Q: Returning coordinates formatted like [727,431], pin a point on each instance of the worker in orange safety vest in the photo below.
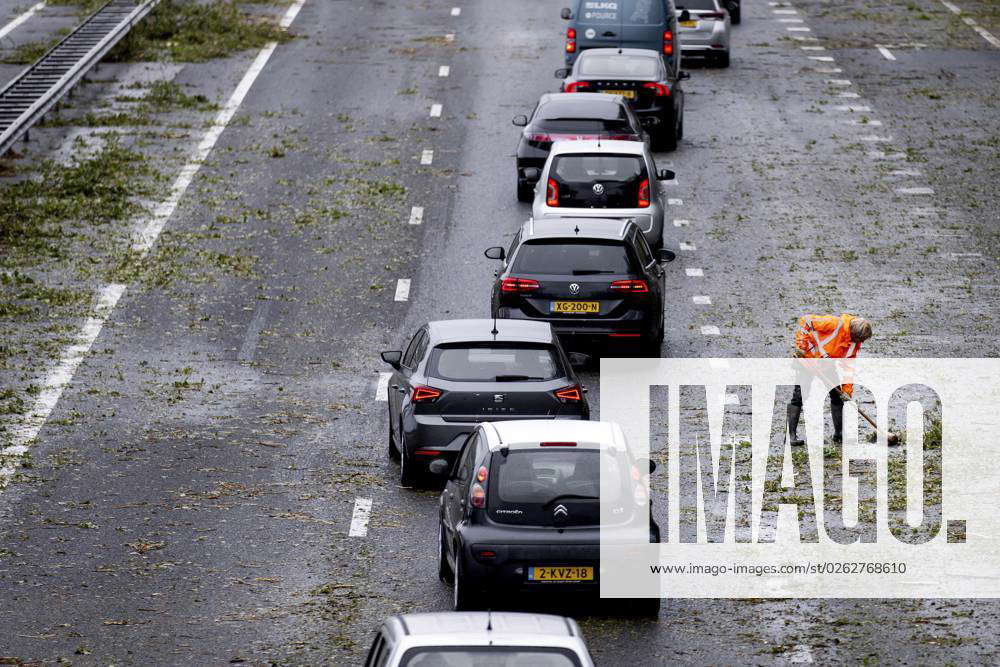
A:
[827,337]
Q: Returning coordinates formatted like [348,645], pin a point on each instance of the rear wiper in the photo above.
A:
[589,272]
[568,496]
[514,378]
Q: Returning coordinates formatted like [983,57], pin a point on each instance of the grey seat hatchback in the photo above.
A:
[634,24]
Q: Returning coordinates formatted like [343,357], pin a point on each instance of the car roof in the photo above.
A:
[594,146]
[481,330]
[575,228]
[527,433]
[476,623]
[582,97]
[647,53]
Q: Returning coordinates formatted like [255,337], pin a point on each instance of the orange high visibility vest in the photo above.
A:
[827,336]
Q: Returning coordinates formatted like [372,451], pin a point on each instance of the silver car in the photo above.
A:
[501,639]
[603,179]
[705,33]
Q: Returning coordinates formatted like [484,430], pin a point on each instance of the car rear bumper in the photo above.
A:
[635,323]
[433,432]
[694,42]
[509,571]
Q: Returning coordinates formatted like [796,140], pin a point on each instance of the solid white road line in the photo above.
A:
[681,223]
[455,11]
[382,387]
[250,340]
[435,111]
[444,70]
[702,300]
[59,378]
[359,520]
[915,191]
[147,234]
[886,53]
[427,157]
[403,289]
[675,202]
[694,273]
[983,32]
[688,246]
[710,330]
[416,215]
[10,27]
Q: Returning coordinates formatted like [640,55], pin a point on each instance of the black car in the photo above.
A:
[457,373]
[595,280]
[640,77]
[561,116]
[520,510]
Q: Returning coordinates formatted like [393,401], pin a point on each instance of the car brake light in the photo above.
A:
[668,42]
[487,553]
[644,194]
[630,286]
[576,85]
[423,394]
[481,474]
[570,394]
[552,193]
[557,444]
[624,335]
[570,40]
[427,452]
[518,285]
[477,497]
[658,89]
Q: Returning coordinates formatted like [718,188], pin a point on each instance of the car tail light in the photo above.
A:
[486,553]
[624,137]
[537,136]
[518,285]
[624,335]
[557,444]
[481,474]
[576,86]
[570,40]
[477,496]
[630,286]
[552,193]
[658,89]
[427,452]
[570,394]
[668,42]
[644,194]
[422,394]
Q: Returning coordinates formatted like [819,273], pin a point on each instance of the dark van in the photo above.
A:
[635,24]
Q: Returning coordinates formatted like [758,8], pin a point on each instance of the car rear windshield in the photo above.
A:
[527,485]
[489,656]
[566,257]
[621,12]
[589,116]
[598,180]
[494,362]
[708,5]
[594,66]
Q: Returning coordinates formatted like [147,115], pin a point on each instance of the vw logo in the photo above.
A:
[574,288]
[598,189]
[498,398]
[590,33]
[560,510]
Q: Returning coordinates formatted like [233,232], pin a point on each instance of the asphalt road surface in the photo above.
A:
[190,498]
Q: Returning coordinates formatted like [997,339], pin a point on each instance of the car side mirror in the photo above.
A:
[520,120]
[683,76]
[562,72]
[685,15]
[665,255]
[439,467]
[532,173]
[565,14]
[578,359]
[496,252]
[665,175]
[649,121]
[643,463]
[392,357]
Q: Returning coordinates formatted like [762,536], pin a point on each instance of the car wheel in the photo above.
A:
[734,16]
[462,599]
[722,60]
[653,345]
[666,140]
[407,473]
[393,449]
[444,569]
[525,191]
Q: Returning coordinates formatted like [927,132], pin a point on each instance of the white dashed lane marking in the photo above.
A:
[839,82]
[813,48]
[848,95]
[687,246]
[784,11]
[874,138]
[694,273]
[382,387]
[455,11]
[359,520]
[798,29]
[906,172]
[444,70]
[416,215]
[450,37]
[702,300]
[10,27]
[435,111]
[866,123]
[427,157]
[915,191]
[710,330]
[855,109]
[822,59]
[675,202]
[886,53]
[681,223]
[403,289]
[790,21]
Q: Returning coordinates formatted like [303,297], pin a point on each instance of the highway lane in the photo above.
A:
[202,515]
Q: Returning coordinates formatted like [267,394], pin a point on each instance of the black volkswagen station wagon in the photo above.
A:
[454,374]
[520,511]
[627,24]
[596,281]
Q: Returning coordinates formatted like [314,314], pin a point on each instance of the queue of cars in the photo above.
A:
[492,409]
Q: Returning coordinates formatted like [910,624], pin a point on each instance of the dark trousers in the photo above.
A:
[836,406]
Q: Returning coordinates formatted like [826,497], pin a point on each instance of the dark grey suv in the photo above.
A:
[631,24]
